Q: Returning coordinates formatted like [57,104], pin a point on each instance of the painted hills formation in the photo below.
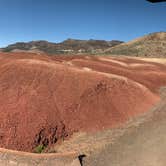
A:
[45,99]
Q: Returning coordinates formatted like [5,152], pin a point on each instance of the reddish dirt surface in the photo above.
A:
[45,99]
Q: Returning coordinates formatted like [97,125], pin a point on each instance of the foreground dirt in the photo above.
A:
[44,100]
[14,158]
[140,142]
[142,145]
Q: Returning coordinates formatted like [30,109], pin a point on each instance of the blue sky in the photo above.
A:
[57,20]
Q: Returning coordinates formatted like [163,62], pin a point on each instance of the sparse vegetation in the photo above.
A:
[39,149]
[150,45]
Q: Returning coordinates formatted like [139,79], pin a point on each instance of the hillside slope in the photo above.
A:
[150,45]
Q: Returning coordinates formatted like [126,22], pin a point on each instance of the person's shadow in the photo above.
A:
[80,157]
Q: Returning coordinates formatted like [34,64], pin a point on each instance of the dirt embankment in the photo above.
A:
[141,144]
[46,99]
[15,158]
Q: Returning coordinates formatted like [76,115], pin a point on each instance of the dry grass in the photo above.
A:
[153,45]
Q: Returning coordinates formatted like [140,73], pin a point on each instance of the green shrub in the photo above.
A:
[39,149]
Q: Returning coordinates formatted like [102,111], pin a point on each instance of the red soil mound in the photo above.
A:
[44,99]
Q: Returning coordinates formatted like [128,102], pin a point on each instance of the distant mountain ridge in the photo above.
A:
[67,46]
[153,44]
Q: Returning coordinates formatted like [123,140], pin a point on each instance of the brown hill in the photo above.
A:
[150,45]
[46,99]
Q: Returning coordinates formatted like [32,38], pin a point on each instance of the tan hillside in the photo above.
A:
[153,45]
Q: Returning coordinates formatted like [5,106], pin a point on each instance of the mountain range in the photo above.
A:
[151,45]
[65,47]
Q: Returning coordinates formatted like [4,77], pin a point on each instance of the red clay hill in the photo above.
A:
[44,99]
